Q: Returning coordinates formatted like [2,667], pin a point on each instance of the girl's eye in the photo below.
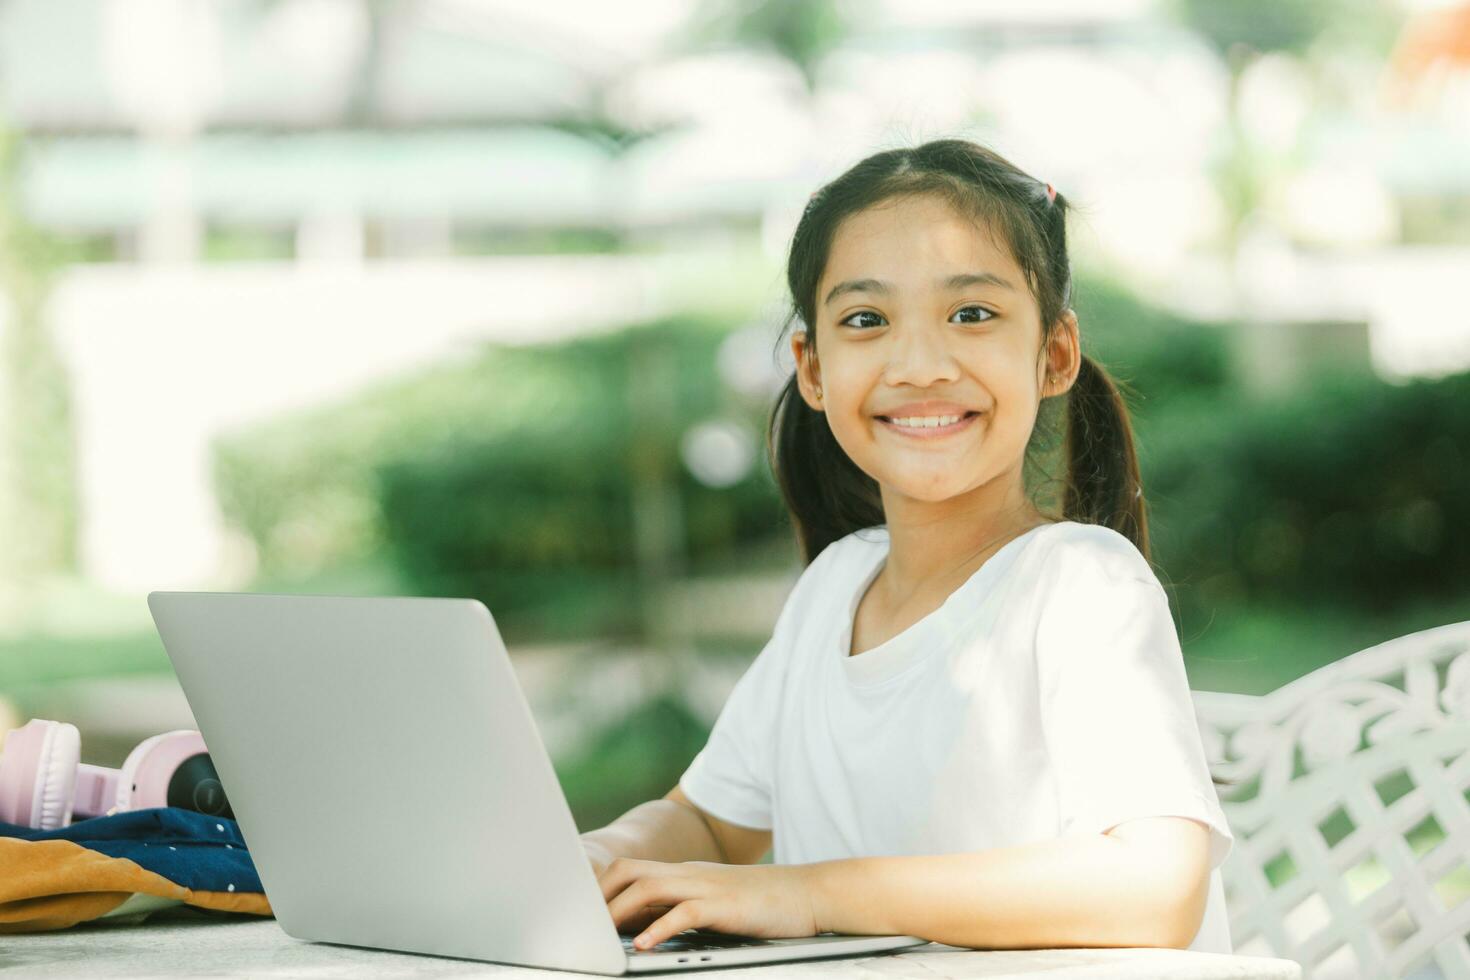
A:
[848,322]
[978,309]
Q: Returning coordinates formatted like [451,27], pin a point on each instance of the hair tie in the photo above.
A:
[1051,194]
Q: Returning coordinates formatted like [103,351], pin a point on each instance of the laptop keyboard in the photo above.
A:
[693,939]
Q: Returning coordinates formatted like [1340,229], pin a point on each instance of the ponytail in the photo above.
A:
[1103,485]
[826,494]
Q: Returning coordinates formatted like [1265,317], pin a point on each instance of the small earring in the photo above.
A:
[819,392]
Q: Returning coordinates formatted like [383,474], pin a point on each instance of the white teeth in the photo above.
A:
[926,422]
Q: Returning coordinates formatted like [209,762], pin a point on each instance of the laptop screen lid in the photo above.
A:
[388,776]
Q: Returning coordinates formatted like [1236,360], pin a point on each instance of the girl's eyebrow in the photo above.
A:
[961,280]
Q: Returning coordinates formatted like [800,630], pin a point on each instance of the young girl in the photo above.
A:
[972,723]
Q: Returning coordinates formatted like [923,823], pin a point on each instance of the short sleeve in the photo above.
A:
[731,776]
[1116,710]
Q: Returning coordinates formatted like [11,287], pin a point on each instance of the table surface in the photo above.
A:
[191,947]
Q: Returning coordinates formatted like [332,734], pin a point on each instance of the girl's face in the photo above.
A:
[920,314]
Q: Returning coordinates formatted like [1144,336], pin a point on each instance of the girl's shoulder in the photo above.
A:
[1073,547]
[864,541]
[834,571]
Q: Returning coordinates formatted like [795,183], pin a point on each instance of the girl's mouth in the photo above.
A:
[928,431]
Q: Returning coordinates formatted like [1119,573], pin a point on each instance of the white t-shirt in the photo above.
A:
[1046,696]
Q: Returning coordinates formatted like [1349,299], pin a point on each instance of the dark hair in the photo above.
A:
[826,493]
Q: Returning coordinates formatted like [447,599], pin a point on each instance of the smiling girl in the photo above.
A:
[972,722]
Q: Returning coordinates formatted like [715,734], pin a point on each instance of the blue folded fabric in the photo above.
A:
[54,878]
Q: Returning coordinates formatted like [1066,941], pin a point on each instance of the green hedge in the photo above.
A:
[508,477]
[537,519]
[1350,489]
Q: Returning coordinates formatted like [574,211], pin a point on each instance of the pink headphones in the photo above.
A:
[43,783]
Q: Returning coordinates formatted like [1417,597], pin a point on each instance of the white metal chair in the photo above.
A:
[1351,811]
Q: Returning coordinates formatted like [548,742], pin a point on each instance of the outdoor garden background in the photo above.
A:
[464,298]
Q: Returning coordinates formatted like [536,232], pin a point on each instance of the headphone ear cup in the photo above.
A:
[196,786]
[58,789]
[143,781]
[127,780]
[38,774]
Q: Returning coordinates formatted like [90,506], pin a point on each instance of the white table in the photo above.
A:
[177,947]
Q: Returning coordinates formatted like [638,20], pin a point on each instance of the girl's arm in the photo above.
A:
[739,845]
[659,830]
[1145,883]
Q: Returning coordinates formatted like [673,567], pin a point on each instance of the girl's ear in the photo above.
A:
[1063,356]
[808,371]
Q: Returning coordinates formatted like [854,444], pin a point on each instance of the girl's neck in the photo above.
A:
[937,557]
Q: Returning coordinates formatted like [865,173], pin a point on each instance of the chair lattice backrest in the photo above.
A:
[1350,805]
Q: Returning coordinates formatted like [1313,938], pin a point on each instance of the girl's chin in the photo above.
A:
[943,487]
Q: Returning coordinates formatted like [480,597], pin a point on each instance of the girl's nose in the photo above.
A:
[921,356]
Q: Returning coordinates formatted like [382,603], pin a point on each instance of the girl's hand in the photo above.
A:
[765,901]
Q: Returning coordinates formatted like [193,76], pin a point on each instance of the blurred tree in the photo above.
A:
[362,98]
[801,31]
[1241,31]
[1249,172]
[385,21]
[38,495]
[381,20]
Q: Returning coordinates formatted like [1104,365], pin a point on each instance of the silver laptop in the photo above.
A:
[390,782]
